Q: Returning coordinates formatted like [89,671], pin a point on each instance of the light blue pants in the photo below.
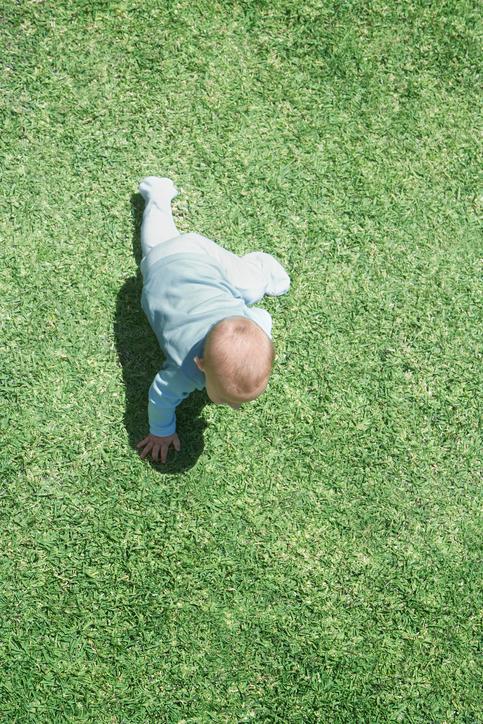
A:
[254,274]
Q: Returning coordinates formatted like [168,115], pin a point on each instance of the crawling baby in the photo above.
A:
[196,296]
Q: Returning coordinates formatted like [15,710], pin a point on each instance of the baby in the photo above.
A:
[195,296]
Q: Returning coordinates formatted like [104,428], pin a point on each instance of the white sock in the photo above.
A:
[278,281]
[159,189]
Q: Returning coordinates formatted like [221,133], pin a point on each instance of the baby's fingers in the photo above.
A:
[155,453]
[165,449]
[147,449]
[143,442]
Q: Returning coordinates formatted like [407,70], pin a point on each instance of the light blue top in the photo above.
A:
[184,295]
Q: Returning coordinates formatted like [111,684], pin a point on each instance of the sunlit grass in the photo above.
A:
[313,557]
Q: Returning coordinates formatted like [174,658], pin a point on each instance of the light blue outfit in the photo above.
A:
[190,284]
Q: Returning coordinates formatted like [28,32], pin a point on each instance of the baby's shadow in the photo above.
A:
[141,359]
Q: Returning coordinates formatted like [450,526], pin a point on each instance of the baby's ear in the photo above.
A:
[199,362]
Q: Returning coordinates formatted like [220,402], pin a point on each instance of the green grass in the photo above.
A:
[315,556]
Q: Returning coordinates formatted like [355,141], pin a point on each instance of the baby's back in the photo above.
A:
[184,295]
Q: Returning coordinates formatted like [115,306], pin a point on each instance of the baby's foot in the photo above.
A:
[278,281]
[155,187]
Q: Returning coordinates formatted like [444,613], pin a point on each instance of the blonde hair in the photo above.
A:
[241,356]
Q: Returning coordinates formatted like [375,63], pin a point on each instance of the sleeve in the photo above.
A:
[262,318]
[169,388]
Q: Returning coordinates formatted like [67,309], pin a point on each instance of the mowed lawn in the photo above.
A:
[315,556]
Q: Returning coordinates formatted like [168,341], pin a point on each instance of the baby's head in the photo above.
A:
[237,361]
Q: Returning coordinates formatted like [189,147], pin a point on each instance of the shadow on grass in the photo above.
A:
[140,358]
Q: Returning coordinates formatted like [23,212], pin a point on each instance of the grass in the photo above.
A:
[315,556]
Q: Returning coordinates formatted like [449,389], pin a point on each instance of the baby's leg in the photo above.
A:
[257,274]
[254,274]
[158,224]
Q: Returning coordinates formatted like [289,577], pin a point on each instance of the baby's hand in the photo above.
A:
[154,444]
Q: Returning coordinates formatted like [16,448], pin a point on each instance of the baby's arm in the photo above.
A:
[169,388]
[262,318]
